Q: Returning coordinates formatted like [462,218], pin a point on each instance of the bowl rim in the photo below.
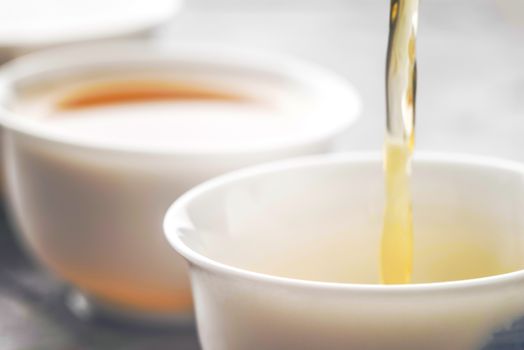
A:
[311,75]
[176,219]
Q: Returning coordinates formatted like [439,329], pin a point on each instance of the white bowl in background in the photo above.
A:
[91,210]
[29,25]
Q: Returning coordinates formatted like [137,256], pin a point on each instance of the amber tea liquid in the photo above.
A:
[397,235]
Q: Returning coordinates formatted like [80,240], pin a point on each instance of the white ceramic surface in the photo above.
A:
[321,217]
[28,25]
[91,211]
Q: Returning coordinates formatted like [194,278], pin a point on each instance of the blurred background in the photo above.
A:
[470,99]
[470,54]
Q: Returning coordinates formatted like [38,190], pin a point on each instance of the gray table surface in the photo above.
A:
[471,99]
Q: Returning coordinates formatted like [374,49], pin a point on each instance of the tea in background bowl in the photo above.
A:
[98,140]
[286,256]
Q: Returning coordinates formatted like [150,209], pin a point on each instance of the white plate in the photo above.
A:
[32,24]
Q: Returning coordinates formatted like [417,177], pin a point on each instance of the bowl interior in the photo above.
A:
[290,101]
[321,219]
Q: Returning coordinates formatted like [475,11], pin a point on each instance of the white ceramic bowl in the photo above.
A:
[29,25]
[274,252]
[91,211]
